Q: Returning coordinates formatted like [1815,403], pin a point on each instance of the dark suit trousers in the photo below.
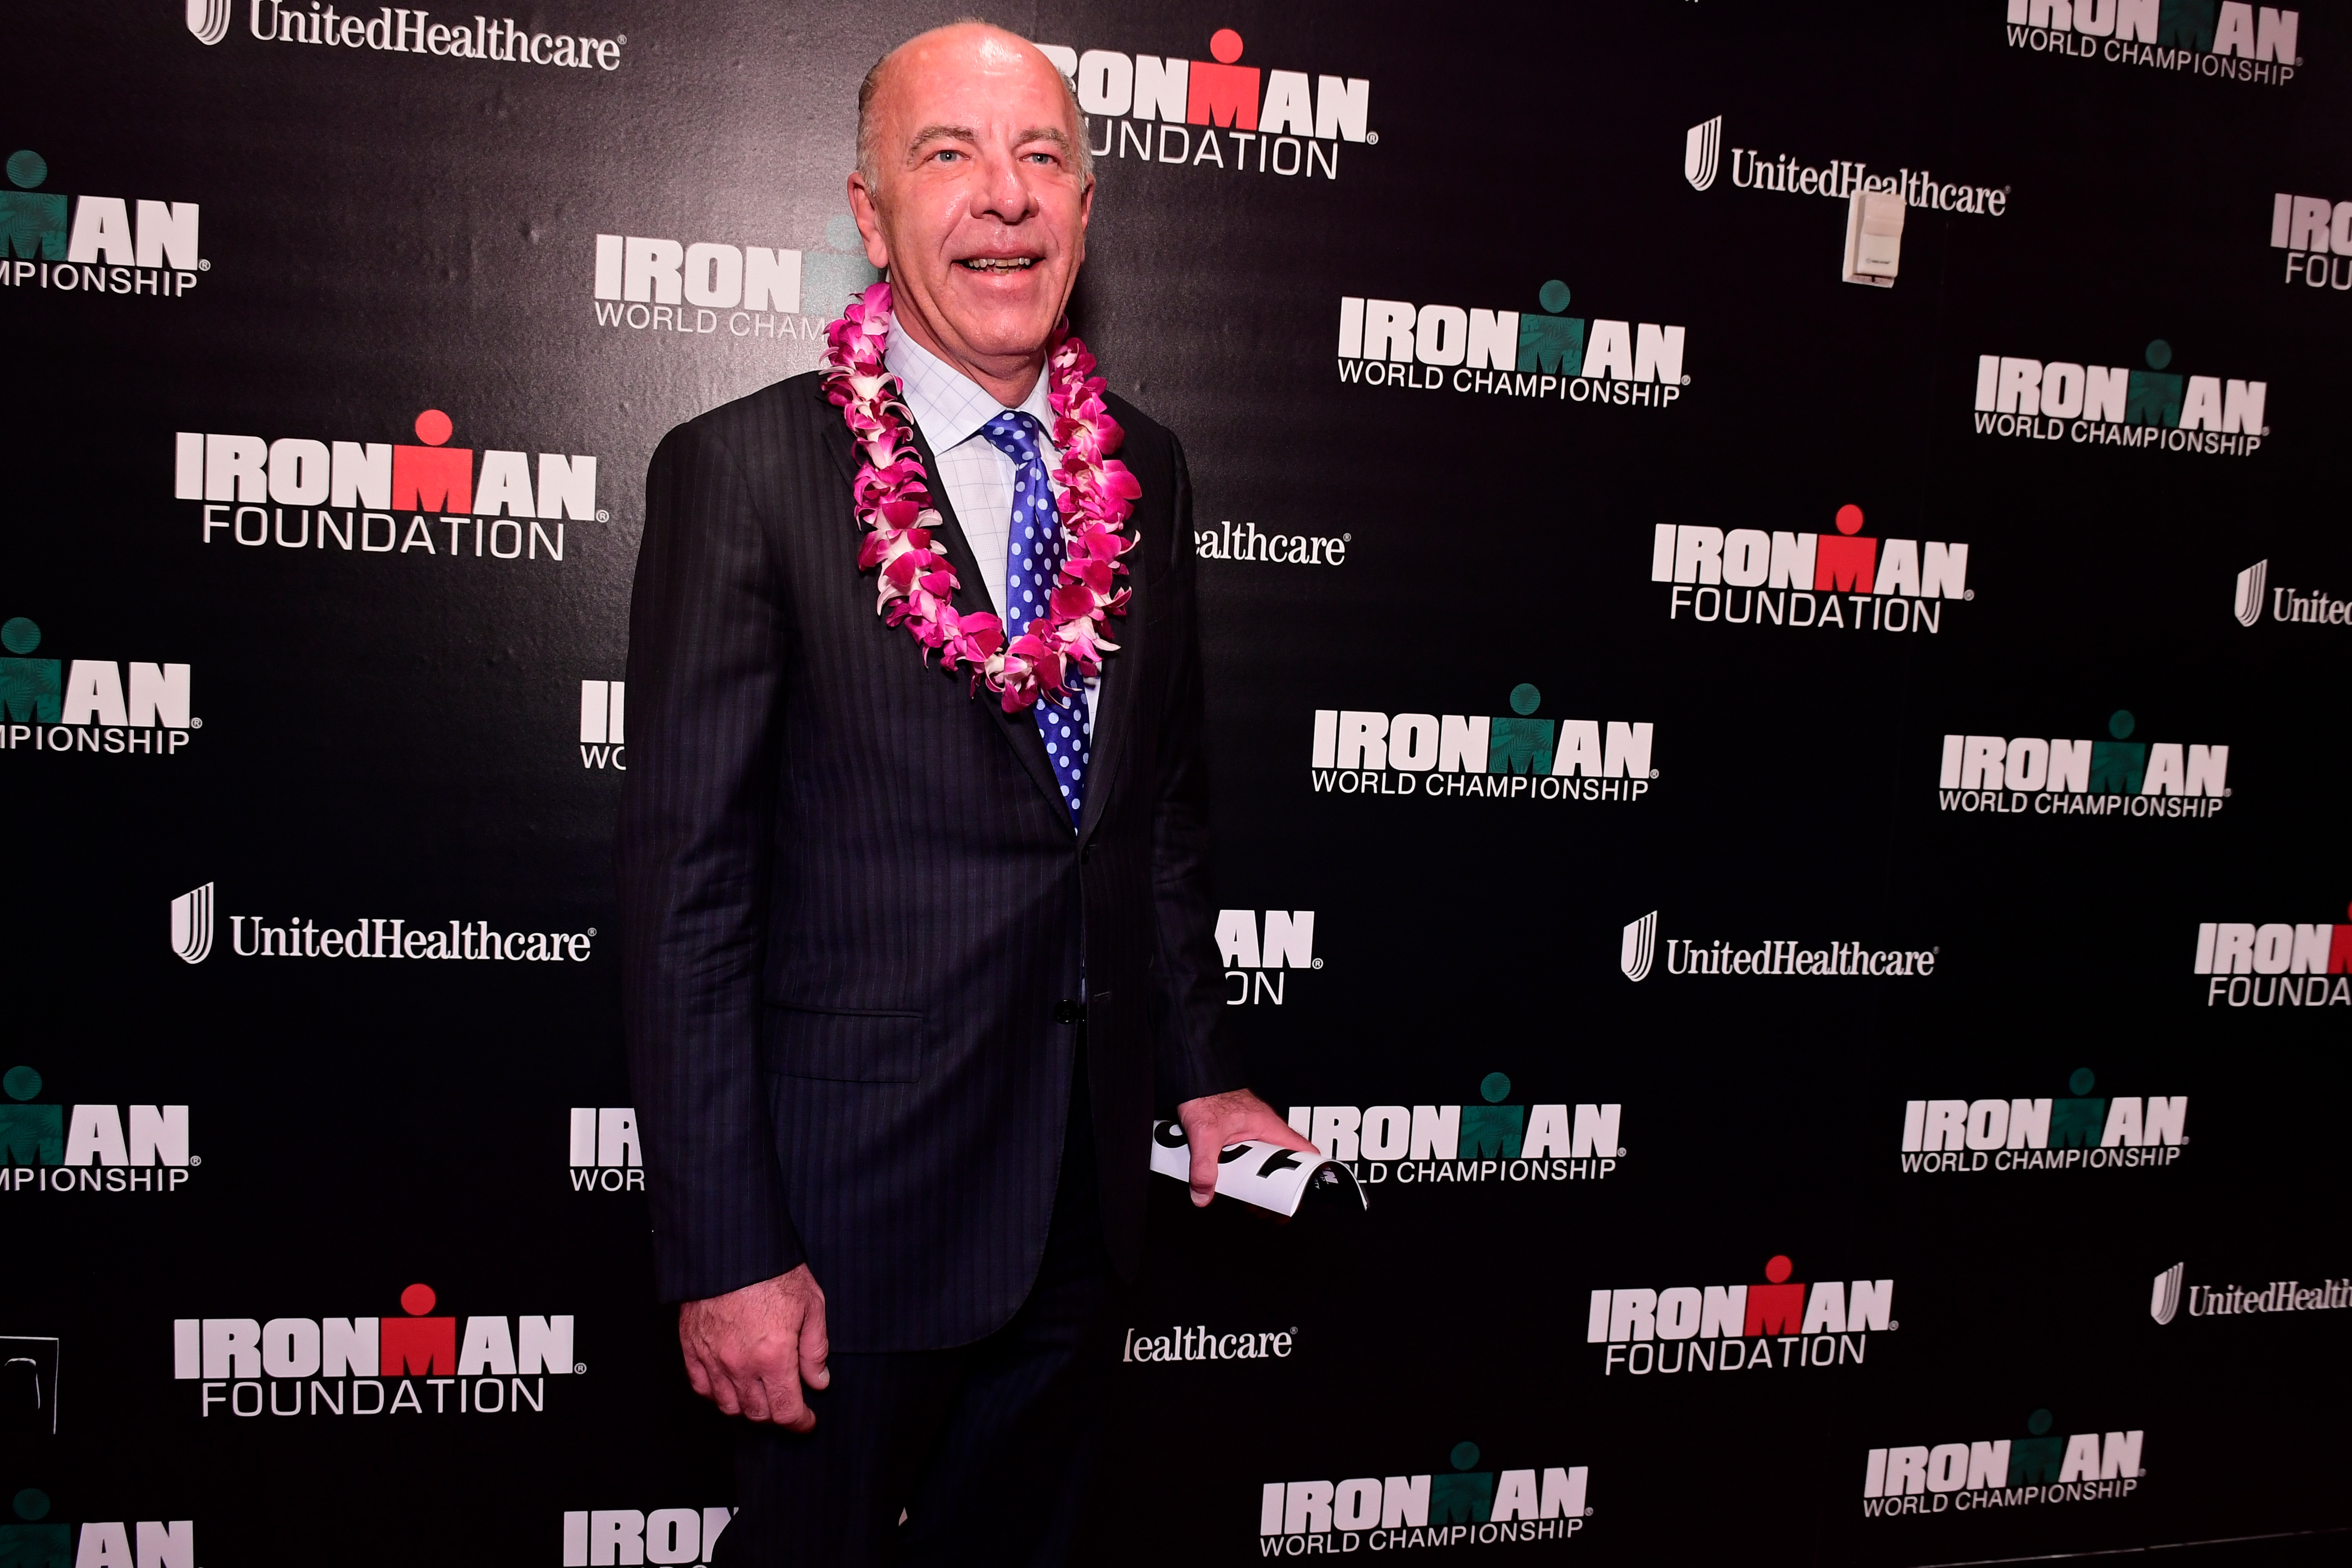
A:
[984,1447]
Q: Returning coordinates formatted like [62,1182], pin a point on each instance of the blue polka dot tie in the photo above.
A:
[1032,560]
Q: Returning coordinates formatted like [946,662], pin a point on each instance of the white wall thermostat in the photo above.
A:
[1873,237]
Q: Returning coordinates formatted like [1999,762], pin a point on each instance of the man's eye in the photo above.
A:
[947,154]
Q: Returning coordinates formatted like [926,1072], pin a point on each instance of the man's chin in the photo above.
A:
[1000,328]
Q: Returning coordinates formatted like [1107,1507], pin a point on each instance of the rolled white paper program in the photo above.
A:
[1264,1174]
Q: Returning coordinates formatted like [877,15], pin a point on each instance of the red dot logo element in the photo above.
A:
[1226,45]
[1848,519]
[1777,1271]
[433,427]
[418,1300]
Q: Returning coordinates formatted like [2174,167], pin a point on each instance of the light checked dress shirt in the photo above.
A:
[950,407]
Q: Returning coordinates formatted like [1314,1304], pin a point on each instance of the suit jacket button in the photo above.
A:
[1068,1012]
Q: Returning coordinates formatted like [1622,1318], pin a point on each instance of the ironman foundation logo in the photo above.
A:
[2234,42]
[2276,965]
[2106,406]
[93,245]
[297,494]
[1487,1142]
[1216,113]
[2001,776]
[1845,581]
[49,705]
[1780,1324]
[1638,947]
[1462,1507]
[2316,234]
[2077,1132]
[1257,971]
[418,1364]
[1504,757]
[1511,353]
[2008,1472]
[89,1148]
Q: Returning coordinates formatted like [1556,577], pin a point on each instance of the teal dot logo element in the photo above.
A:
[19,634]
[1464,1455]
[21,1082]
[1553,296]
[1525,699]
[2038,1423]
[2122,724]
[2081,1081]
[1495,1087]
[2159,354]
[26,168]
[32,1503]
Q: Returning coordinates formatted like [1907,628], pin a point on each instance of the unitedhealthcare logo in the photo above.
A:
[191,924]
[402,31]
[2249,606]
[1640,946]
[1702,147]
[2311,607]
[2165,1299]
[2331,1294]
[208,20]
[1775,956]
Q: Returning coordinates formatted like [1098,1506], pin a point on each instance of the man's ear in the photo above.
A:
[868,213]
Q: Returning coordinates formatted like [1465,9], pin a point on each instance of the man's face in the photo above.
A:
[979,210]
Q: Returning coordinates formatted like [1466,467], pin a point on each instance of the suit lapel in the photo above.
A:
[1020,729]
[1109,750]
[838,443]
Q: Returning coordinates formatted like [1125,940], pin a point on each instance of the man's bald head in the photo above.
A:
[992,46]
[972,189]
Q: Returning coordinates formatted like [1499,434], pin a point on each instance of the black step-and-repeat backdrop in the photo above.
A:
[1778,600]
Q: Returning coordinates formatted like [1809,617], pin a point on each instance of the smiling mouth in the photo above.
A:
[998,263]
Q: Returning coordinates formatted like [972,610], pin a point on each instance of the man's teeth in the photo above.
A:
[998,263]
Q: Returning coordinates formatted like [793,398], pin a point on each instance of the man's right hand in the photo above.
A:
[750,1350]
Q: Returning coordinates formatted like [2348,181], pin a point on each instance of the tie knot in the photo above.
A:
[1015,433]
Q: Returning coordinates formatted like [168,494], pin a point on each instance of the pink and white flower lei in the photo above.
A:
[1065,645]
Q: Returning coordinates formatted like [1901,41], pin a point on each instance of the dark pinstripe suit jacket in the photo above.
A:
[851,897]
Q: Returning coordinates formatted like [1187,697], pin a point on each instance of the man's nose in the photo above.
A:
[1001,193]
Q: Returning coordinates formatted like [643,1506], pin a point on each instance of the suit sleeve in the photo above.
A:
[707,648]
[1194,1054]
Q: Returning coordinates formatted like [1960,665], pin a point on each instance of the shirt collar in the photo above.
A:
[948,405]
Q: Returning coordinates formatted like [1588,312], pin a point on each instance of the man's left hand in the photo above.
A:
[1216,1121]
